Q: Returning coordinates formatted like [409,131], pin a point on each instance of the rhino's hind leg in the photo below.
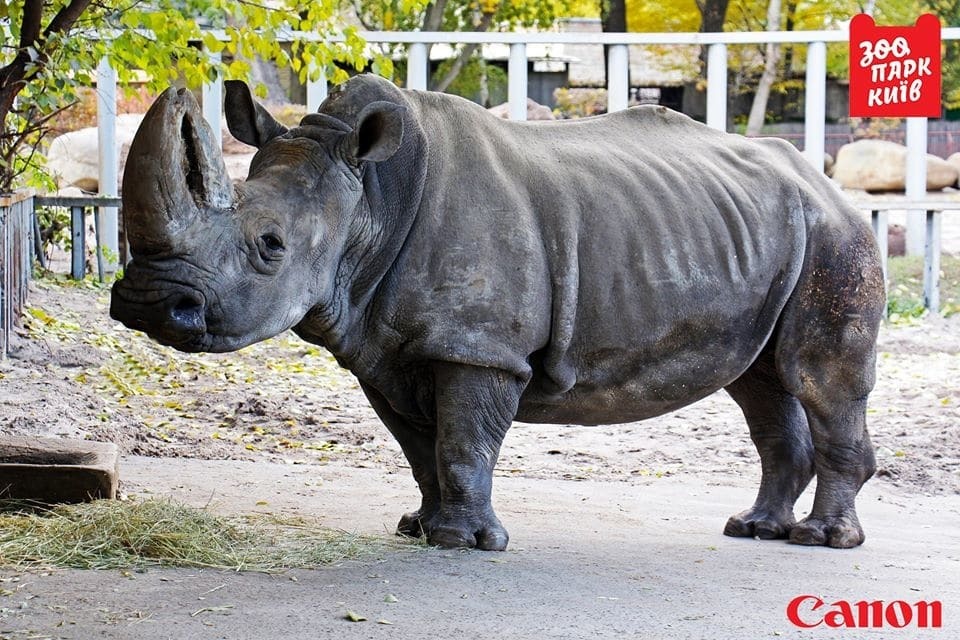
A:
[826,357]
[778,428]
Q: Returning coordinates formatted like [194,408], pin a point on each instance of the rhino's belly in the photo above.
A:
[618,388]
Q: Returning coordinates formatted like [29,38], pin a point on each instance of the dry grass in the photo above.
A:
[109,534]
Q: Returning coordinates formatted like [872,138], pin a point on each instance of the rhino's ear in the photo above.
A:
[378,133]
[247,120]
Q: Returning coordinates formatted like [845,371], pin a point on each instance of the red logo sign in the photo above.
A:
[809,611]
[894,71]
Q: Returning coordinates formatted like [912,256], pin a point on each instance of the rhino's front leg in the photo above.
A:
[475,406]
[418,442]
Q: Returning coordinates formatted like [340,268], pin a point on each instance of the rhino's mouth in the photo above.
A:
[180,317]
[175,316]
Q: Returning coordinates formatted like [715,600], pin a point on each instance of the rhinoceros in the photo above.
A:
[471,272]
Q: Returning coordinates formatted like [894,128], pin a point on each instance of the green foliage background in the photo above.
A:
[158,42]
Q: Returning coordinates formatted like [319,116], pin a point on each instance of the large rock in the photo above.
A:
[880,165]
[954,160]
[73,157]
[535,111]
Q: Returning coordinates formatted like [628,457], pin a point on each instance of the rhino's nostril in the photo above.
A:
[187,313]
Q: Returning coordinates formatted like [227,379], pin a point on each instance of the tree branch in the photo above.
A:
[465,54]
[66,17]
[433,17]
[30,25]
[433,20]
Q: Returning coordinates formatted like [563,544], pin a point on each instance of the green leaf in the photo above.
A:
[354,617]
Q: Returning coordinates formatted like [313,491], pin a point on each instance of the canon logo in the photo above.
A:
[808,612]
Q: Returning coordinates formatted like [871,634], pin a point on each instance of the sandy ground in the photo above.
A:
[615,531]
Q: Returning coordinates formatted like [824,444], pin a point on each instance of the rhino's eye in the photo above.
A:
[271,246]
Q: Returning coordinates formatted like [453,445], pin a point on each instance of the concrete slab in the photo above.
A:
[57,470]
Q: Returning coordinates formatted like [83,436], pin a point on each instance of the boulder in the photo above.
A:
[73,157]
[535,111]
[954,160]
[896,240]
[880,165]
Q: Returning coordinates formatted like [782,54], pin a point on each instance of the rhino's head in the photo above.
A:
[217,266]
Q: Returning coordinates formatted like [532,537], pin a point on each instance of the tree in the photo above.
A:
[758,110]
[949,14]
[613,19]
[51,48]
[713,15]
[457,15]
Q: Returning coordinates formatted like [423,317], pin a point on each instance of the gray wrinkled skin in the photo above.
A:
[472,271]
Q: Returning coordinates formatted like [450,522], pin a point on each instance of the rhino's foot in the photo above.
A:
[758,523]
[488,535]
[483,532]
[842,532]
[451,533]
[413,524]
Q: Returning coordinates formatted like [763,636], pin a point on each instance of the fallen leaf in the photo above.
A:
[354,617]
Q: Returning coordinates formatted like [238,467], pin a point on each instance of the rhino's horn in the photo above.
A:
[174,170]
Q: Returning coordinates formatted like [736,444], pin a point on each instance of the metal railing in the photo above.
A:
[933,209]
[79,207]
[17,243]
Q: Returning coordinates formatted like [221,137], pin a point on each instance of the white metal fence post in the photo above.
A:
[916,183]
[316,93]
[109,166]
[815,104]
[417,65]
[717,86]
[618,77]
[931,261]
[517,81]
[212,95]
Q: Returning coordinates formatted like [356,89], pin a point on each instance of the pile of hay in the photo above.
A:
[109,534]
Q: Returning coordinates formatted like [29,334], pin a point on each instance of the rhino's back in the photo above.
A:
[627,264]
